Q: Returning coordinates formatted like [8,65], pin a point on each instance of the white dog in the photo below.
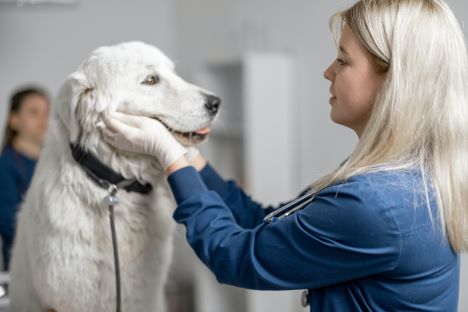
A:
[63,254]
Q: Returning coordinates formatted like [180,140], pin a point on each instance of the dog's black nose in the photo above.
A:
[212,103]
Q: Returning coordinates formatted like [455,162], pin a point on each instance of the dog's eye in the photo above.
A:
[151,80]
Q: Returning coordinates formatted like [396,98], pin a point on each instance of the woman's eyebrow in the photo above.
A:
[342,49]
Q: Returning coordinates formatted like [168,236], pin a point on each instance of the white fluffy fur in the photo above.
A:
[62,258]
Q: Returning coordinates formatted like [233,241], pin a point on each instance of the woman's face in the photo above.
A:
[354,83]
[30,121]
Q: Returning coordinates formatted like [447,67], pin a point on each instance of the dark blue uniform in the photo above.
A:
[16,171]
[367,244]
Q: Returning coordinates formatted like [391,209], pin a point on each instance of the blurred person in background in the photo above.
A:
[26,126]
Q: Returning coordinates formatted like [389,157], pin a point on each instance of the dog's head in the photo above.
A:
[135,78]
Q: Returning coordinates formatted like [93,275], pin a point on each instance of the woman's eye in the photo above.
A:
[151,80]
[340,61]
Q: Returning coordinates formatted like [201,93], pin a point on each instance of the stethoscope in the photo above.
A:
[292,207]
[289,208]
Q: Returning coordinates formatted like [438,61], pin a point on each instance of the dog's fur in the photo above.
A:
[63,258]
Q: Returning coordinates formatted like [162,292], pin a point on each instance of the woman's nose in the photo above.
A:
[328,73]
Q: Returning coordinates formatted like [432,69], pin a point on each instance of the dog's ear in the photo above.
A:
[74,91]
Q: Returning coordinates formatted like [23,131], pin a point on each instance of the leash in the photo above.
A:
[111,200]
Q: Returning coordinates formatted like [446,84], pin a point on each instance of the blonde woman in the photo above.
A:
[383,232]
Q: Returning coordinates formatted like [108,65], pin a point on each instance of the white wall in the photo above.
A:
[43,44]
[213,29]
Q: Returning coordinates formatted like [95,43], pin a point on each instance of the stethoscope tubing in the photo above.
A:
[289,208]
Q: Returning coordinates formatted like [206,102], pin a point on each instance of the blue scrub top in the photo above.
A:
[367,244]
[16,171]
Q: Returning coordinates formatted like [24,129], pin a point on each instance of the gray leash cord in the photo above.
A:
[111,200]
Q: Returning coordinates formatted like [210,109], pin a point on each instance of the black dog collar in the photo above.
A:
[105,176]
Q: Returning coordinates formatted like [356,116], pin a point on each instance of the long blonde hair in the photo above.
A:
[420,116]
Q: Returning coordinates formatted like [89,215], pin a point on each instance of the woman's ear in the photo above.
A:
[74,92]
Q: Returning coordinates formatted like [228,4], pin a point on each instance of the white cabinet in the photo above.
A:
[252,142]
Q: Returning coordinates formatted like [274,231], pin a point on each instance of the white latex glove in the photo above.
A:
[143,135]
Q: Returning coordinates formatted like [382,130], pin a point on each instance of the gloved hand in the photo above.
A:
[143,135]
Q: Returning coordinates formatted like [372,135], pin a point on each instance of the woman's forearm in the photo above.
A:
[198,162]
[178,164]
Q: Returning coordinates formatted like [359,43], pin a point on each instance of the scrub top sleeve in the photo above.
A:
[247,212]
[347,232]
[214,181]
